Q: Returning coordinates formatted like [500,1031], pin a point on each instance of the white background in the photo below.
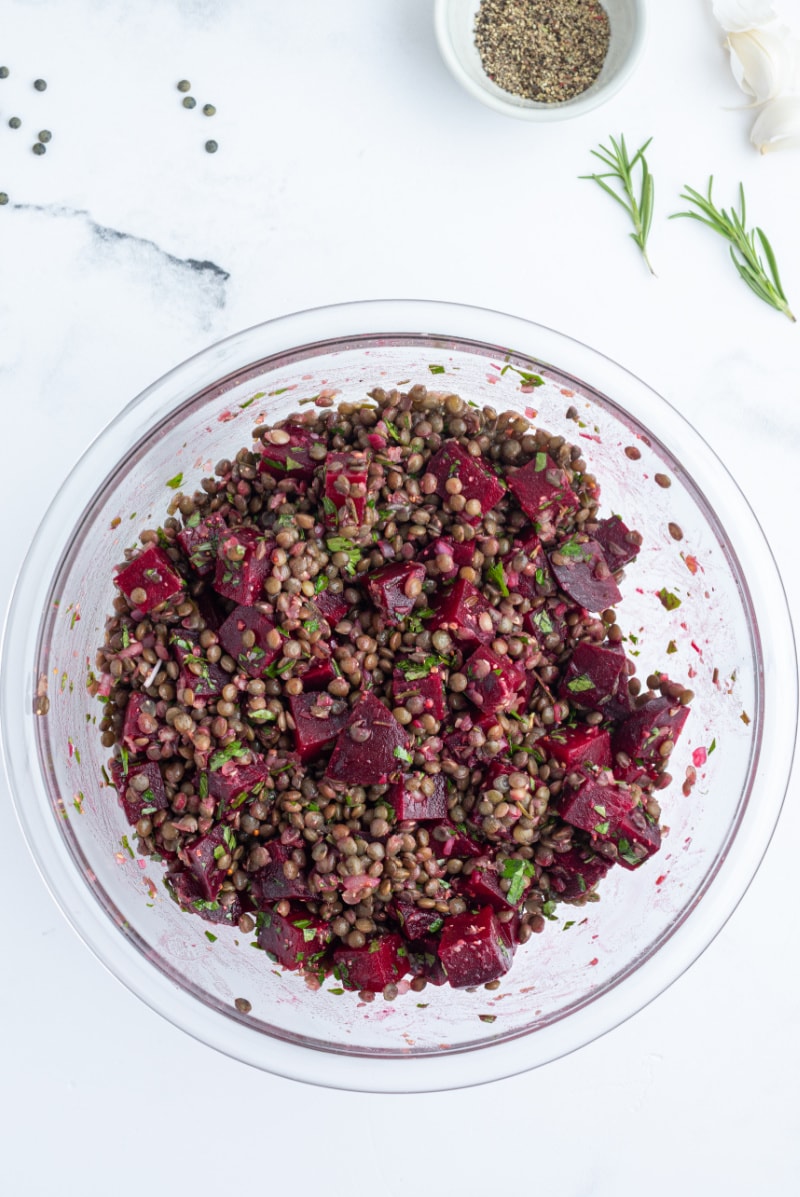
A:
[351,166]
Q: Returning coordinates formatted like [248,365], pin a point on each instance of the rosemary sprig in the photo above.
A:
[742,245]
[621,168]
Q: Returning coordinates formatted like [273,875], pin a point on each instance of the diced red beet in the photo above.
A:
[483,884]
[257,659]
[417,923]
[636,837]
[346,482]
[139,714]
[208,682]
[388,589]
[459,743]
[212,608]
[493,681]
[199,541]
[630,772]
[292,460]
[478,479]
[527,569]
[449,840]
[596,678]
[152,573]
[189,894]
[430,688]
[270,883]
[595,807]
[549,620]
[462,553]
[233,782]
[297,940]
[465,613]
[577,872]
[583,573]
[332,607]
[412,803]
[381,962]
[580,745]
[620,545]
[318,719]
[200,857]
[494,770]
[241,579]
[318,675]
[374,760]
[473,949]
[423,960]
[134,801]
[185,645]
[643,733]
[541,486]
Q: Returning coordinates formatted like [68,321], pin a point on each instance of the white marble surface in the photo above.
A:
[351,166]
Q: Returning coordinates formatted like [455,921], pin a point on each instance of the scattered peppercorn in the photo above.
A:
[3,198]
[184,85]
[39,149]
[211,147]
[45,136]
[189,102]
[4,72]
[209,110]
[14,123]
[40,84]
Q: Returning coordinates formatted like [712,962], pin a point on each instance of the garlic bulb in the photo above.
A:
[777,126]
[763,63]
[737,16]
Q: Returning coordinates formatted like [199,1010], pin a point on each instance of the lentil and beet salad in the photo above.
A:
[367,696]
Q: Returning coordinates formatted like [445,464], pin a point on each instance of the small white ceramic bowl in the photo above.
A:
[455,24]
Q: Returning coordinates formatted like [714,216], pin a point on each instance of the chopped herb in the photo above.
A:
[569,923]
[124,844]
[540,462]
[321,583]
[126,637]
[340,544]
[712,746]
[436,369]
[602,828]
[210,936]
[435,926]
[518,871]
[262,716]
[202,904]
[392,430]
[539,575]
[571,549]
[403,754]
[203,787]
[229,839]
[495,573]
[672,647]
[279,667]
[414,670]
[626,852]
[124,754]
[234,749]
[308,934]
[174,483]
[292,463]
[252,399]
[487,1017]
[579,684]
[668,599]
[311,625]
[548,910]
[337,990]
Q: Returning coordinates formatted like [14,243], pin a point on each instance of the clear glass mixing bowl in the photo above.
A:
[731,634]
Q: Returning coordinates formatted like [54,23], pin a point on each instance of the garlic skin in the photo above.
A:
[737,16]
[777,126]
[763,63]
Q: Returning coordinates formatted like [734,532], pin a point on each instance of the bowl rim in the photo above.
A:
[342,323]
[539,113]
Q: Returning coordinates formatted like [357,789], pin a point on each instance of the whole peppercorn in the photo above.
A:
[39,149]
[40,84]
[45,136]
[189,102]
[211,147]
[184,85]
[3,198]
[208,110]
[14,123]
[3,72]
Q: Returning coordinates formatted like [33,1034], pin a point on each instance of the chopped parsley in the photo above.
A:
[321,583]
[495,573]
[518,871]
[174,483]
[436,369]
[403,754]
[579,684]
[234,750]
[540,461]
[668,599]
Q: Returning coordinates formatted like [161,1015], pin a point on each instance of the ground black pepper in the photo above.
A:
[544,50]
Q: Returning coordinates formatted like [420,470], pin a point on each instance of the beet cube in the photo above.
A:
[139,729]
[483,884]
[465,613]
[257,659]
[473,949]
[493,681]
[415,922]
[527,569]
[389,586]
[462,553]
[451,840]
[595,807]
[318,719]
[495,770]
[270,883]
[134,801]
[548,620]
[185,645]
[382,754]
[414,681]
[291,460]
[620,545]
[410,802]
[583,574]
[461,745]
[423,961]
[188,893]
[152,574]
[331,607]
[234,783]
[577,872]
[243,562]
[298,940]
[540,486]
[204,680]
[318,675]
[596,678]
[581,745]
[636,837]
[643,733]
[201,855]
[478,479]
[346,478]
[382,961]
[199,540]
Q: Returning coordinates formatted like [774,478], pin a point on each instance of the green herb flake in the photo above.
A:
[549,910]
[569,923]
[672,647]
[487,1017]
[234,749]
[174,483]
[436,369]
[602,828]
[404,755]
[125,844]
[518,871]
[579,684]
[252,399]
[321,583]
[210,936]
[712,746]
[540,462]
[543,622]
[668,599]
[337,989]
[495,573]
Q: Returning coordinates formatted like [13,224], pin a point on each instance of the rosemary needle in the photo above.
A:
[742,245]
[621,168]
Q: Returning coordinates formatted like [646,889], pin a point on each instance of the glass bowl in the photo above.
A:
[455,34]
[731,635]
